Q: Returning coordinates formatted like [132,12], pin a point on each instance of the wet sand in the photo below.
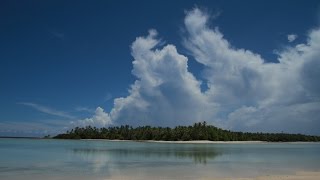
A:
[296,176]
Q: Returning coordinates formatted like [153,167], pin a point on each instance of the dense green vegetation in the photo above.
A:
[199,131]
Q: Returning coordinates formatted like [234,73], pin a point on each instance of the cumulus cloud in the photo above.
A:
[292,37]
[254,94]
[244,91]
[99,119]
[165,92]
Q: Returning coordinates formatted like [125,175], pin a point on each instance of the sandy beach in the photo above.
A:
[207,142]
[197,141]
[179,142]
[301,175]
[296,176]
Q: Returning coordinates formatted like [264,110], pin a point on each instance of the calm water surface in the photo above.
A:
[99,159]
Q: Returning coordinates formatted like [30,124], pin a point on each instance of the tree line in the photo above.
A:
[199,131]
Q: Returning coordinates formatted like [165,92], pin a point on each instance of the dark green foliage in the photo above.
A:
[199,131]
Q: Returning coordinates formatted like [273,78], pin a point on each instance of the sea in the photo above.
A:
[48,159]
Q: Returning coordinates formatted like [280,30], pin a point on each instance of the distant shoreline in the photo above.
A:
[179,142]
[170,142]
[298,175]
[19,137]
[200,141]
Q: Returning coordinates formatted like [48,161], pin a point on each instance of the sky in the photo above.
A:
[239,65]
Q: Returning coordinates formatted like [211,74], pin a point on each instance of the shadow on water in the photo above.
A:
[198,154]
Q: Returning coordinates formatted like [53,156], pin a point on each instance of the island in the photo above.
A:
[199,131]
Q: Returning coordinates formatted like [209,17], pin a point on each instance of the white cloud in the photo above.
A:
[47,110]
[244,91]
[165,92]
[84,109]
[255,93]
[292,37]
[99,119]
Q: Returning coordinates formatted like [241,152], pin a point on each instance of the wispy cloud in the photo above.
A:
[35,128]
[58,35]
[47,110]
[108,97]
[85,109]
[292,37]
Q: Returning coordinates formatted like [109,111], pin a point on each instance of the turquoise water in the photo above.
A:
[98,159]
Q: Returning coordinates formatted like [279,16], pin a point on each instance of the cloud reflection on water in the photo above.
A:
[104,157]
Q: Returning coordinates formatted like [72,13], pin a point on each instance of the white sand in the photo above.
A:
[207,142]
[180,142]
[296,176]
[197,141]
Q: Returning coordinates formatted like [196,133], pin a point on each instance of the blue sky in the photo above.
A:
[68,63]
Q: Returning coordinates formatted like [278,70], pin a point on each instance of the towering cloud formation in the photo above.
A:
[244,91]
[166,93]
[253,94]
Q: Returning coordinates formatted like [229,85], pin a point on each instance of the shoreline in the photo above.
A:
[200,141]
[298,175]
[175,142]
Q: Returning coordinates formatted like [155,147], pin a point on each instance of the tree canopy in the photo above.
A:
[199,131]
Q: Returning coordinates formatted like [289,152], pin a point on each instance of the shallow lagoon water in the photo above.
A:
[100,159]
